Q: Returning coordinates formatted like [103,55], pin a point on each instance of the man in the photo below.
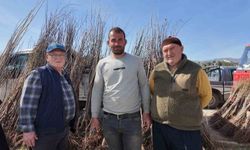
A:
[47,106]
[180,90]
[120,88]
[3,141]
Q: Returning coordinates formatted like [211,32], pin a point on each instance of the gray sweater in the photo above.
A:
[120,85]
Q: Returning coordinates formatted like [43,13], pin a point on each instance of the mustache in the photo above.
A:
[117,47]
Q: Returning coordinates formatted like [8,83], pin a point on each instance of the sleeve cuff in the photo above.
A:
[95,115]
[26,128]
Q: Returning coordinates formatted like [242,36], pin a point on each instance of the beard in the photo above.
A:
[118,50]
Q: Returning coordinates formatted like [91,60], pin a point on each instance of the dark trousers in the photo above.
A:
[169,138]
[57,141]
[3,141]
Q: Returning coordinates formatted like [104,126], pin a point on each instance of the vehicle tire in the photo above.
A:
[215,101]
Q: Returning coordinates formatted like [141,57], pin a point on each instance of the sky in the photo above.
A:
[208,29]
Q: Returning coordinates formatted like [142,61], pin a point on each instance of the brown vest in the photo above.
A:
[176,101]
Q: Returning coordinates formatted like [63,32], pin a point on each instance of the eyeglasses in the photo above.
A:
[57,56]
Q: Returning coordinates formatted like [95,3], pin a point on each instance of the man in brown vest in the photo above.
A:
[180,90]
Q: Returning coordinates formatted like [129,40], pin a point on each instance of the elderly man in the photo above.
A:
[180,90]
[47,106]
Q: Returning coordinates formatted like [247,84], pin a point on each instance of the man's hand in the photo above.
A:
[29,139]
[146,121]
[95,125]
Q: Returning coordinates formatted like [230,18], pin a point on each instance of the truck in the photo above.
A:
[243,70]
[221,80]
[14,68]
[12,71]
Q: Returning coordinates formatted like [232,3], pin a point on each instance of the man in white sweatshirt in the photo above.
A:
[120,91]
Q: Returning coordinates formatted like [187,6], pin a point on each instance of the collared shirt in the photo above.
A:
[32,90]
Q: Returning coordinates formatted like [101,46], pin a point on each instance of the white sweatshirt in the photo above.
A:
[120,85]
